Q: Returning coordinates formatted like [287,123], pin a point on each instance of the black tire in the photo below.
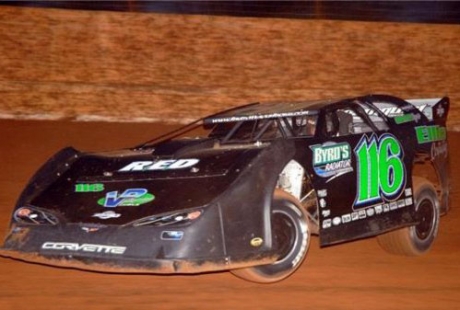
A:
[417,239]
[291,232]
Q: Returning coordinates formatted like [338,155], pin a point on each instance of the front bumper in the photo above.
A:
[125,250]
[125,265]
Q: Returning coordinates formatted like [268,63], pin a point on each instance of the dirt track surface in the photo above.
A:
[356,275]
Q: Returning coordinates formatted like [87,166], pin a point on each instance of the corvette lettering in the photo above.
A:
[86,247]
[164,164]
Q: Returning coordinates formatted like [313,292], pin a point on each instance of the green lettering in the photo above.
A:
[87,188]
[380,168]
[427,134]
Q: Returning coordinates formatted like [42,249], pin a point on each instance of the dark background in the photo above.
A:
[446,12]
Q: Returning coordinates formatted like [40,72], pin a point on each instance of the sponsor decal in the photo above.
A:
[172,235]
[427,134]
[336,221]
[257,117]
[346,218]
[256,242]
[322,193]
[367,212]
[322,203]
[85,247]
[164,164]
[439,150]
[107,215]
[408,191]
[406,118]
[331,159]
[440,111]
[396,111]
[326,213]
[354,216]
[130,197]
[89,188]
[381,172]
[393,206]
[386,207]
[370,212]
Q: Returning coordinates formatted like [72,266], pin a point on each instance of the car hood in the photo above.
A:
[124,186]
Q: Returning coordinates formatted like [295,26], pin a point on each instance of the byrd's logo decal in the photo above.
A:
[331,159]
[130,197]
[164,164]
[381,171]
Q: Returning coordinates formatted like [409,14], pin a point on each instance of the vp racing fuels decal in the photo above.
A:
[381,173]
[331,159]
[130,197]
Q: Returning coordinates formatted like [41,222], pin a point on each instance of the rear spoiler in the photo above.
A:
[435,109]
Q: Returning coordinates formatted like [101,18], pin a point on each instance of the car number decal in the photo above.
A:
[381,173]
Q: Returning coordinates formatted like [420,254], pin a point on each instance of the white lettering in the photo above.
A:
[184,163]
[137,166]
[98,248]
[161,165]
[164,164]
[330,154]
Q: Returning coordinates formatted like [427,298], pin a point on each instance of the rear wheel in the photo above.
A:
[417,239]
[290,235]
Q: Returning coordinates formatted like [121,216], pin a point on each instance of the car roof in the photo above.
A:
[272,110]
[269,110]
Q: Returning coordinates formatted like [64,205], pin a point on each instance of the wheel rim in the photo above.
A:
[286,234]
[426,215]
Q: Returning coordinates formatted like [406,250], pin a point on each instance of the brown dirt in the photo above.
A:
[356,275]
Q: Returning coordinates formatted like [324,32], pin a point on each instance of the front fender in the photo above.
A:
[245,207]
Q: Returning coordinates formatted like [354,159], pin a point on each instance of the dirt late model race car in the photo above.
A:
[243,190]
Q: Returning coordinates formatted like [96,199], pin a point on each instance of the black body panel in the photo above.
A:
[186,205]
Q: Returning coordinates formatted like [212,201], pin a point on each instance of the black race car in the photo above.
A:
[243,190]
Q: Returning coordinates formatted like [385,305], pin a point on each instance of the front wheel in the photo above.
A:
[417,239]
[291,236]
